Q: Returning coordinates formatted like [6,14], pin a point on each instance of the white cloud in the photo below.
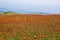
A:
[30,2]
[31,5]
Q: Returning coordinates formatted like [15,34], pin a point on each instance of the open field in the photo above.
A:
[29,27]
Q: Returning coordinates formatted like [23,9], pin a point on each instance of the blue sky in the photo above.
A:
[50,6]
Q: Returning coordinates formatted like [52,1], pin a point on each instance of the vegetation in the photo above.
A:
[9,13]
[29,27]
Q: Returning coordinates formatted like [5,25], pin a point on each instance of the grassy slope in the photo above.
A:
[29,27]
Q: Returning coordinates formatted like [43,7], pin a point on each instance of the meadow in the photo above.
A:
[29,27]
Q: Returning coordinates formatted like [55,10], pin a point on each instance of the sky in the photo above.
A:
[48,6]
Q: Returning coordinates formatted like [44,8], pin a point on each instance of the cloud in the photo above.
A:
[32,5]
[30,2]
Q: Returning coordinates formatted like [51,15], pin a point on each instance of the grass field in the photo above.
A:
[29,27]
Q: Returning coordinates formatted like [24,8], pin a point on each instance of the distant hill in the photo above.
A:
[43,13]
[2,10]
[12,11]
[9,13]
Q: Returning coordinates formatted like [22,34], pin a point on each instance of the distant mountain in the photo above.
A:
[43,13]
[2,10]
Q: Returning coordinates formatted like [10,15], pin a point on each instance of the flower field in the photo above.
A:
[29,27]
